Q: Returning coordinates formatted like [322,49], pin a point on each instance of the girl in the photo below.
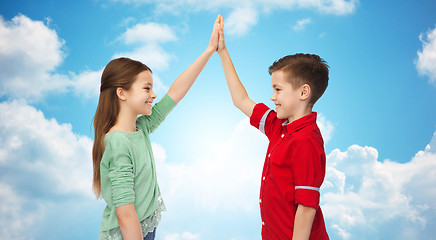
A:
[123,163]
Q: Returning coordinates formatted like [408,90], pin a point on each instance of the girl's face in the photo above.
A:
[140,96]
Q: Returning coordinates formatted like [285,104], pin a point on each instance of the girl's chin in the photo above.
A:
[147,110]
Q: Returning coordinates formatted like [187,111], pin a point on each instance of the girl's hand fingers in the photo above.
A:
[217,21]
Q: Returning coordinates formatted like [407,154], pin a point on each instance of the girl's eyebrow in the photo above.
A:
[148,84]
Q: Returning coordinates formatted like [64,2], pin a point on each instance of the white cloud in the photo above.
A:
[229,171]
[29,53]
[226,179]
[183,236]
[57,161]
[15,222]
[301,24]
[152,55]
[43,163]
[244,14]
[126,22]
[87,83]
[426,63]
[158,86]
[148,36]
[240,21]
[362,193]
[326,127]
[361,197]
[21,35]
[336,7]
[148,33]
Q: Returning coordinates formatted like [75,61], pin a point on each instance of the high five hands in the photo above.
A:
[216,42]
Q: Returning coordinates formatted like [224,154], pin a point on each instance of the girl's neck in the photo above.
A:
[126,122]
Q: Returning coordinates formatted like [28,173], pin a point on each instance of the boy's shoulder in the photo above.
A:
[308,140]
[310,131]
[309,134]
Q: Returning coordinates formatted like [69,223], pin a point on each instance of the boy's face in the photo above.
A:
[285,97]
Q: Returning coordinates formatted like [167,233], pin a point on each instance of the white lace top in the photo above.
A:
[147,225]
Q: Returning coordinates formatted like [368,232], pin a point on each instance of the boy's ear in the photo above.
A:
[121,94]
[305,92]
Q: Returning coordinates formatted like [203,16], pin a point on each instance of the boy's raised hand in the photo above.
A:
[183,83]
[221,42]
[237,91]
[213,42]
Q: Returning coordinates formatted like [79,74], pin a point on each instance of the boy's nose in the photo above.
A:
[273,97]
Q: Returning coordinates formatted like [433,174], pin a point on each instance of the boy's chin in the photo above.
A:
[280,116]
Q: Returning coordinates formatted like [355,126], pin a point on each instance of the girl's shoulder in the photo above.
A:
[116,143]
[115,138]
[119,138]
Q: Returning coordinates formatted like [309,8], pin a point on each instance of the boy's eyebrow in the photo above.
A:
[275,85]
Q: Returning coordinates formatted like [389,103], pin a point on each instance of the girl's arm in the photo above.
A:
[183,83]
[303,222]
[129,222]
[237,91]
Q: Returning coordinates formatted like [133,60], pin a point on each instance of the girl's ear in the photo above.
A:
[305,92]
[121,94]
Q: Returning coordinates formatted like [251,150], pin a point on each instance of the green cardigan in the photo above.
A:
[127,167]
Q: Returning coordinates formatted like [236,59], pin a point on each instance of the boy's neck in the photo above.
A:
[299,114]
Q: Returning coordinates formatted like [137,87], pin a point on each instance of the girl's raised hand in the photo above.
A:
[221,42]
[213,42]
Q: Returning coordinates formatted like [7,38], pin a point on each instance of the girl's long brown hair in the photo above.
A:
[120,72]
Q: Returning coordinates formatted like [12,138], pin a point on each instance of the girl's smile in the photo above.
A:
[140,96]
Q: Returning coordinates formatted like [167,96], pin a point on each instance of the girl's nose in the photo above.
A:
[153,95]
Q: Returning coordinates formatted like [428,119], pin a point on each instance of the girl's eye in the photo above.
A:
[148,89]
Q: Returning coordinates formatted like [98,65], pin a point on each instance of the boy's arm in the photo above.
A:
[303,222]
[237,91]
[183,83]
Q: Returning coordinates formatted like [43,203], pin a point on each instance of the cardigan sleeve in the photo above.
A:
[121,173]
[149,123]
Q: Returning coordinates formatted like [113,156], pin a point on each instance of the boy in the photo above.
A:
[294,167]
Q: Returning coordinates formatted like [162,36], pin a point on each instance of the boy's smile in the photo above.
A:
[286,99]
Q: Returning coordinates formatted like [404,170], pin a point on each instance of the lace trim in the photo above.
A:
[147,225]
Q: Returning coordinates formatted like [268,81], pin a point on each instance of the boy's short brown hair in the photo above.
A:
[302,69]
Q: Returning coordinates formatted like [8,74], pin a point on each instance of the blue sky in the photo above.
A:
[377,115]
